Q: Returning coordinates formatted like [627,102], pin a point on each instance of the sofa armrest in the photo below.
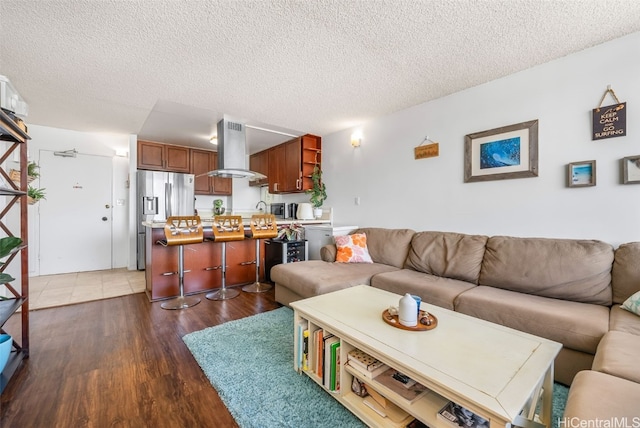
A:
[328,253]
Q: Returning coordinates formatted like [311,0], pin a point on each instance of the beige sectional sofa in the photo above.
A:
[565,290]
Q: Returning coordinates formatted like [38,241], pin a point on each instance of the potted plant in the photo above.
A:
[8,246]
[32,173]
[318,192]
[34,195]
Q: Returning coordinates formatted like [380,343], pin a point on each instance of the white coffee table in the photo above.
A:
[495,371]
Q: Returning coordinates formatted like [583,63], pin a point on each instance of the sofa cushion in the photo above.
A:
[314,277]
[568,269]
[446,254]
[431,289]
[625,272]
[577,326]
[618,354]
[388,246]
[623,320]
[596,396]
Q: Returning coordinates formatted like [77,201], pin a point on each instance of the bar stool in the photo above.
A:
[181,231]
[226,228]
[263,226]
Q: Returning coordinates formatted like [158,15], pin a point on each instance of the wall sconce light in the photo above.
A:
[214,140]
[356,139]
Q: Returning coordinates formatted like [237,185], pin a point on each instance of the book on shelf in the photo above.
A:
[326,366]
[334,378]
[459,417]
[365,364]
[318,340]
[305,350]
[394,416]
[303,325]
[397,382]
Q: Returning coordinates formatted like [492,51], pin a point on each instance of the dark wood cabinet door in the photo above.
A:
[292,167]
[150,155]
[178,159]
[241,267]
[201,164]
[259,162]
[276,169]
[221,186]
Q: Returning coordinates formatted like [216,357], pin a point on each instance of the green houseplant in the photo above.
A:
[8,246]
[34,195]
[318,191]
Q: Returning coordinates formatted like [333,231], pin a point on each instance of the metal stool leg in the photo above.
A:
[180,302]
[223,293]
[257,287]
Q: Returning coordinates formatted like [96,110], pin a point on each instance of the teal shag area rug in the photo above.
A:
[250,363]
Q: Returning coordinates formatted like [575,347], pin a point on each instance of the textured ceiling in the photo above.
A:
[168,70]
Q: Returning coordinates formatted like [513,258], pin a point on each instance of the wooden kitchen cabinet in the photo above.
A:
[220,185]
[163,157]
[203,161]
[276,168]
[201,164]
[202,264]
[259,162]
[291,164]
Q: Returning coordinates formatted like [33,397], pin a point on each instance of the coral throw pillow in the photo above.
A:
[352,249]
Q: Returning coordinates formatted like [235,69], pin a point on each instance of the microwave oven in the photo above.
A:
[278,210]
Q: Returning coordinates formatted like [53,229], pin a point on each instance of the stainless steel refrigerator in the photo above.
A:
[161,195]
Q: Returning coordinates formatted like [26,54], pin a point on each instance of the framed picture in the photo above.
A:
[502,153]
[582,174]
[631,170]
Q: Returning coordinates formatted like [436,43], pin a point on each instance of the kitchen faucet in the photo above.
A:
[265,205]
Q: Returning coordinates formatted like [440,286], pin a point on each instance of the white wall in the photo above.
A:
[47,138]
[429,194]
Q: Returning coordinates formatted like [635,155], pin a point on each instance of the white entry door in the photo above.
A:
[75,219]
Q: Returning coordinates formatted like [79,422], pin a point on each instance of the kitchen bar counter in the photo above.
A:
[202,262]
[208,222]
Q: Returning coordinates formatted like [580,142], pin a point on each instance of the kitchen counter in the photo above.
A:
[208,222]
[201,261]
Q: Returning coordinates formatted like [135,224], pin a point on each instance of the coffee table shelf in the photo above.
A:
[496,372]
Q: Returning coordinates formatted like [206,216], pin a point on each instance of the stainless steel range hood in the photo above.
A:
[232,151]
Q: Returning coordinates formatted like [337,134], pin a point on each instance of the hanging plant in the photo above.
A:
[34,195]
[319,191]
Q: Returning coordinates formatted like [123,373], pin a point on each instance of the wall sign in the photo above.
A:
[426,151]
[609,121]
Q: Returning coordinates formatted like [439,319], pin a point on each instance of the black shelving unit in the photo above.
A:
[16,198]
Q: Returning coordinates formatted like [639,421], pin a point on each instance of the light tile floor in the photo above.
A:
[65,289]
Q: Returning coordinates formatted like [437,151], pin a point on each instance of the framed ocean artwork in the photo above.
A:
[631,170]
[581,174]
[502,153]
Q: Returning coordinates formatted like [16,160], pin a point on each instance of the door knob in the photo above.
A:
[107,206]
[104,219]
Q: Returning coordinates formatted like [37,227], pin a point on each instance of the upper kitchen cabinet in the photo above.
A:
[311,156]
[163,157]
[276,168]
[203,161]
[221,186]
[259,162]
[291,164]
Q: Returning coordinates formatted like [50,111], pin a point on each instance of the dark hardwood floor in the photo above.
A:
[120,362]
